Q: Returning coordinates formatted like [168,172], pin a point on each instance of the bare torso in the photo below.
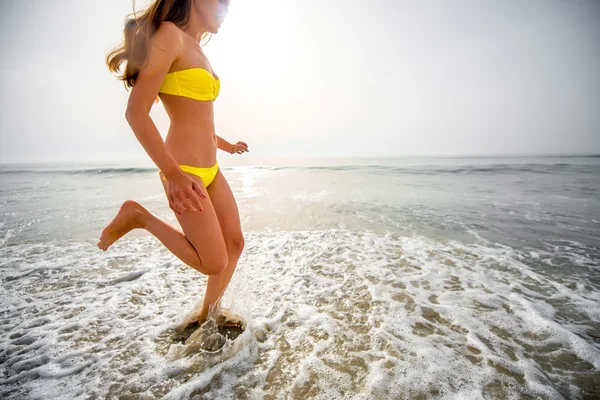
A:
[191,138]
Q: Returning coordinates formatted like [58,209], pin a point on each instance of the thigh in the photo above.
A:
[203,231]
[227,212]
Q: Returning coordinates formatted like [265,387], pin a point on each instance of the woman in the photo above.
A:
[163,57]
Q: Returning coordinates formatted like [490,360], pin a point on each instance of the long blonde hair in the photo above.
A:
[133,50]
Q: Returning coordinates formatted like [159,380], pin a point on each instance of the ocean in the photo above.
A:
[361,278]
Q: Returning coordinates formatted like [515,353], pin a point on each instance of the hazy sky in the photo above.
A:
[320,77]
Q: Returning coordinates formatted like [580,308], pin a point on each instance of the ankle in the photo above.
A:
[142,217]
[202,318]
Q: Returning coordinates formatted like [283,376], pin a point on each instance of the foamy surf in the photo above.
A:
[328,314]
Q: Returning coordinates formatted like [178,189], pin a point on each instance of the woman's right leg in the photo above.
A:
[201,244]
[203,231]
[133,215]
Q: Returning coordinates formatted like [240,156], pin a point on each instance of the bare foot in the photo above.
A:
[232,324]
[129,217]
[224,324]
[202,318]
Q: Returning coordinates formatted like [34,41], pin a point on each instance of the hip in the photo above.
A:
[207,174]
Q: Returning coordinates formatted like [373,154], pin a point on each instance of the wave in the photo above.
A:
[87,171]
[431,169]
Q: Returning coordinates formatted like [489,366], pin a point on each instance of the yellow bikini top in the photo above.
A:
[196,83]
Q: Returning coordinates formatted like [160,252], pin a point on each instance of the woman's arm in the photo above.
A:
[224,145]
[163,49]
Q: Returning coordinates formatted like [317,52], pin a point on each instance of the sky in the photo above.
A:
[320,78]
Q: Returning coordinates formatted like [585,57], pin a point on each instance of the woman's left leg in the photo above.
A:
[227,212]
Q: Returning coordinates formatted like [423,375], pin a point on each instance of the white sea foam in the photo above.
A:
[442,278]
[329,314]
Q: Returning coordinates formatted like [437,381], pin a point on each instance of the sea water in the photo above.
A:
[361,278]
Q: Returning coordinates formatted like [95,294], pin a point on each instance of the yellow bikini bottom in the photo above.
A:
[206,174]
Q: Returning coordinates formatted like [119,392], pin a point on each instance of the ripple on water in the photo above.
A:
[324,314]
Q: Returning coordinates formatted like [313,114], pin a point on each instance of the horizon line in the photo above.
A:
[362,156]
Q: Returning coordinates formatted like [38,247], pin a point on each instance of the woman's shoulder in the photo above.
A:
[170,27]
[167,33]
[165,47]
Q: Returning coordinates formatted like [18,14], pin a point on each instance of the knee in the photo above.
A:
[214,265]
[235,246]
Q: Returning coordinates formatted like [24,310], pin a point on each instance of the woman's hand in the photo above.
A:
[239,147]
[184,193]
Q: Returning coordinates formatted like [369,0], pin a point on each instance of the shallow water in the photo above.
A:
[434,278]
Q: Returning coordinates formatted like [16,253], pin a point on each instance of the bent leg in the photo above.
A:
[202,230]
[133,215]
[200,245]
[174,240]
